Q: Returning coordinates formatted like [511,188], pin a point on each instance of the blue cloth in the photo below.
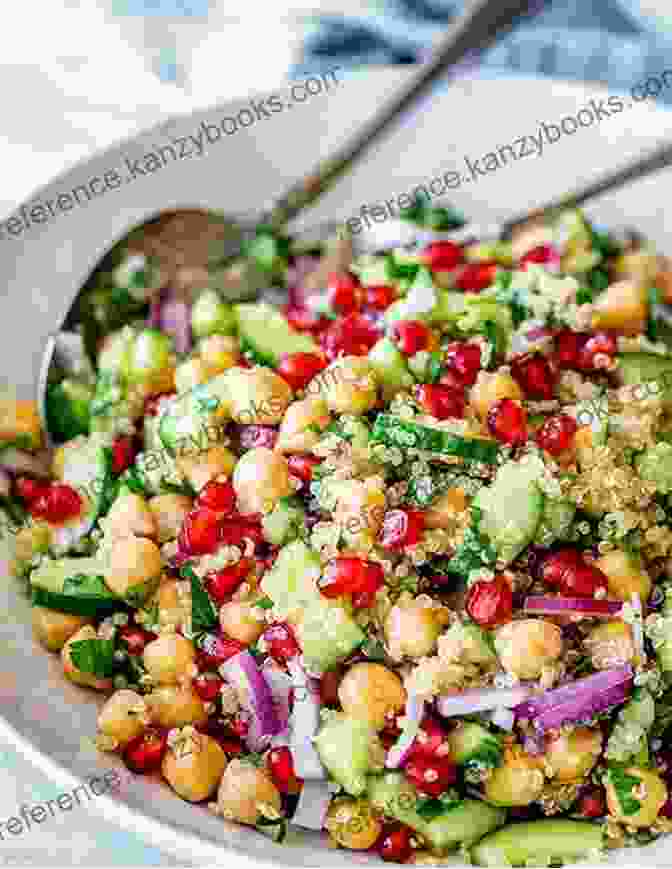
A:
[585,40]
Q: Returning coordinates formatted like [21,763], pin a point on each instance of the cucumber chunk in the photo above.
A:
[636,368]
[73,585]
[473,743]
[292,582]
[189,423]
[264,331]
[655,465]
[556,521]
[542,841]
[393,431]
[285,522]
[467,822]
[391,367]
[393,795]
[344,746]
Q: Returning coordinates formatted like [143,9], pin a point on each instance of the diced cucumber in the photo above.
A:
[477,648]
[393,795]
[473,743]
[391,367]
[556,521]
[512,507]
[374,270]
[344,746]
[393,431]
[655,465]
[73,585]
[467,822]
[184,425]
[85,465]
[285,522]
[327,634]
[264,331]
[636,368]
[292,581]
[537,843]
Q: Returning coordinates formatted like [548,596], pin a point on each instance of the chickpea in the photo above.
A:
[571,756]
[651,793]
[625,575]
[527,646]
[296,433]
[31,540]
[370,692]
[175,706]
[348,385]
[257,396]
[353,823]
[169,512]
[169,659]
[610,644]
[70,671]
[260,479]
[194,765]
[360,510]
[219,352]
[54,629]
[518,782]
[622,307]
[204,466]
[245,791]
[491,387]
[442,513]
[171,604]
[130,515]
[242,620]
[190,373]
[123,716]
[413,627]
[19,420]
[134,568]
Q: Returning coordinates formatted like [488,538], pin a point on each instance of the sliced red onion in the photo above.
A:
[280,684]
[304,723]
[154,317]
[255,697]
[311,809]
[503,718]
[252,436]
[296,274]
[481,700]
[172,316]
[548,605]
[577,701]
[414,713]
[20,462]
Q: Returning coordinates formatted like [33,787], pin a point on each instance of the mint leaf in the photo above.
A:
[203,615]
[86,586]
[264,603]
[431,807]
[624,785]
[94,656]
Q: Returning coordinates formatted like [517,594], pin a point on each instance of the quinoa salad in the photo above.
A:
[387,557]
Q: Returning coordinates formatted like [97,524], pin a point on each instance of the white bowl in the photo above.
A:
[41,269]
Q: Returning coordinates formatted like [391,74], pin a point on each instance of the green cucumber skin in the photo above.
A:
[75,605]
[465,823]
[264,330]
[396,432]
[636,368]
[473,742]
[517,844]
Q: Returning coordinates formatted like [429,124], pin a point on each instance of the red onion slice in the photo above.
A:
[304,723]
[311,809]
[548,605]
[172,316]
[280,685]
[255,697]
[481,700]
[398,754]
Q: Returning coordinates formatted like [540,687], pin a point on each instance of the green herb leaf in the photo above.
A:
[430,807]
[475,551]
[94,656]
[203,615]
[624,785]
[264,603]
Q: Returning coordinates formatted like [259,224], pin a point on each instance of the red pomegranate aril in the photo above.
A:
[207,687]
[431,740]
[597,352]
[353,335]
[145,753]
[442,256]
[402,528]
[215,649]
[220,730]
[301,466]
[592,804]
[298,369]
[234,532]
[556,563]
[568,348]
[431,775]
[281,642]
[411,336]
[304,320]
[380,297]
[281,767]
[541,254]
[490,603]
[582,581]
[57,504]
[351,576]
[343,292]
[439,401]
[464,361]
[666,811]
[535,375]
[123,454]
[507,421]
[476,277]
[394,845]
[329,686]
[557,434]
[30,490]
[135,638]
[221,584]
[200,532]
[219,497]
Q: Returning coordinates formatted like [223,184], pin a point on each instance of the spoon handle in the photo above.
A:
[481,25]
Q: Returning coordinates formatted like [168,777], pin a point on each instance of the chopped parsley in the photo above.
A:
[475,551]
[203,615]
[624,785]
[94,656]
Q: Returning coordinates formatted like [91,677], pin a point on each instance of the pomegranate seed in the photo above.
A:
[207,687]
[402,528]
[252,436]
[154,403]
[280,642]
[598,345]
[123,454]
[145,753]
[666,811]
[351,576]
[490,603]
[57,504]
[567,570]
[535,375]
[218,497]
[568,348]
[411,336]
[301,466]
[221,584]
[441,402]
[476,277]
[554,565]
[353,335]
[557,434]
[541,254]
[233,532]
[379,298]
[507,421]
[216,649]
[343,292]
[329,687]
[304,320]
[239,727]
[431,775]
[431,741]
[200,532]
[394,845]
[464,361]
[30,490]
[220,730]
[281,767]
[298,369]
[135,638]
[442,256]
[592,804]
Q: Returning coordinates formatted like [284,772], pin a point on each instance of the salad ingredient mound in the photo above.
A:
[392,561]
